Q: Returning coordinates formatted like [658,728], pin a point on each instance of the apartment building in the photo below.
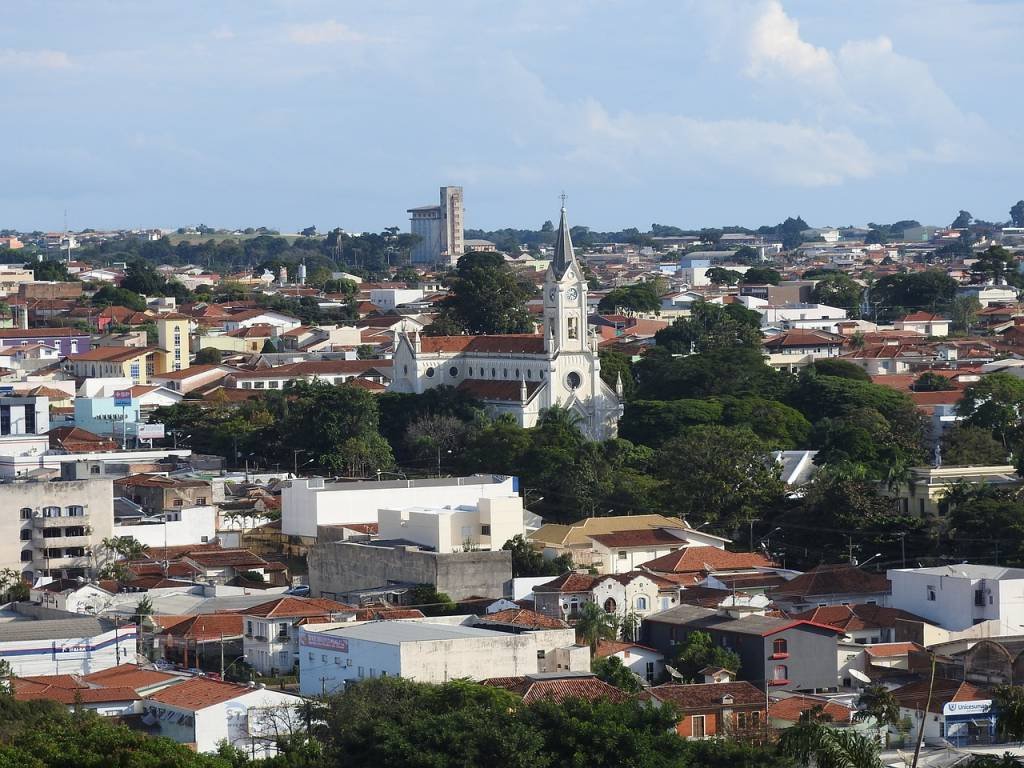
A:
[57,527]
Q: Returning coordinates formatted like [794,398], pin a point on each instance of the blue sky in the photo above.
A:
[288,113]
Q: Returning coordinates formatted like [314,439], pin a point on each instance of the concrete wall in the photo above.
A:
[71,655]
[196,526]
[339,567]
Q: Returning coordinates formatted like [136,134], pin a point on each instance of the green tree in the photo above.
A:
[593,625]
[207,356]
[963,444]
[430,601]
[837,289]
[1017,214]
[614,672]
[698,651]
[995,264]
[141,277]
[111,296]
[1008,701]
[529,561]
[727,480]
[761,275]
[933,382]
[965,312]
[844,369]
[615,366]
[485,297]
[50,271]
[898,293]
[877,703]
[723,276]
[818,744]
[995,403]
[962,220]
[712,327]
[639,297]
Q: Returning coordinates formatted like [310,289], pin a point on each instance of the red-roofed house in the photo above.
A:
[927,323]
[643,661]
[786,712]
[202,712]
[558,687]
[735,709]
[271,637]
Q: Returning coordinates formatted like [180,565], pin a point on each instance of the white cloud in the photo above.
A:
[323,33]
[775,47]
[39,59]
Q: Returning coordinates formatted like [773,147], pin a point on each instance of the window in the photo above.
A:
[311,657]
[697,726]
[360,673]
[780,647]
[622,554]
[76,510]
[610,605]
[574,328]
[540,654]
[494,373]
[282,629]
[337,660]
[979,597]
[453,371]
[51,511]
[529,373]
[201,501]
[26,534]
[504,373]
[94,470]
[931,593]
[26,513]
[780,673]
[485,530]
[430,373]
[248,631]
[746,720]
[573,380]
[649,672]
[641,603]
[178,503]
[26,555]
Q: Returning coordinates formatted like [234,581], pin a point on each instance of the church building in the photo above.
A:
[524,374]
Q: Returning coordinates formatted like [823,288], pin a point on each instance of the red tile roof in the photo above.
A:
[791,708]
[839,579]
[568,582]
[387,614]
[707,559]
[129,676]
[915,695]
[27,690]
[523,344]
[559,689]
[521,617]
[646,537]
[708,696]
[790,339]
[208,626]
[198,693]
[492,389]
[851,618]
[291,607]
[888,650]
[611,647]
[923,317]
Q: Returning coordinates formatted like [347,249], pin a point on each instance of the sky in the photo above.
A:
[291,113]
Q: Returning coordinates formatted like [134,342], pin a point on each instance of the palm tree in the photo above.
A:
[877,703]
[594,625]
[815,743]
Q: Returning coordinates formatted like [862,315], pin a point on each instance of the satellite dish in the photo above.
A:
[673,673]
[856,674]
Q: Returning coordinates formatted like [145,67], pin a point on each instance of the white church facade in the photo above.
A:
[524,374]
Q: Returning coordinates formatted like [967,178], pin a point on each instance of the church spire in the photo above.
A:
[564,255]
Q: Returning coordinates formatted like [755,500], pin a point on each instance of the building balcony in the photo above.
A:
[46,542]
[53,563]
[59,522]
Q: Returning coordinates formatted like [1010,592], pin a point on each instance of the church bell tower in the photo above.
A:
[565,297]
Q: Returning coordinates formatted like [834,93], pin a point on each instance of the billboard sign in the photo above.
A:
[122,398]
[150,431]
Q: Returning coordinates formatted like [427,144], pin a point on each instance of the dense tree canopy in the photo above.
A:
[485,297]
[712,327]
[837,289]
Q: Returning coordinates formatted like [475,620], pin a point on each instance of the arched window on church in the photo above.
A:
[529,373]
[574,329]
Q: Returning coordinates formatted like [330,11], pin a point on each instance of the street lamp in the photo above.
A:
[877,554]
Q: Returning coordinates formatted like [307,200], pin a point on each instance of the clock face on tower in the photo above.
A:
[572,294]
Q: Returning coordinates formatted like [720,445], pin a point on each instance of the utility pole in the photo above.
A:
[924,715]
[849,546]
[903,549]
[221,655]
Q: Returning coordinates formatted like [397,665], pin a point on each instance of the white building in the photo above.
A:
[52,528]
[486,525]
[989,294]
[307,503]
[186,525]
[524,374]
[431,651]
[809,317]
[204,712]
[271,630]
[76,645]
[390,298]
[956,597]
[646,663]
